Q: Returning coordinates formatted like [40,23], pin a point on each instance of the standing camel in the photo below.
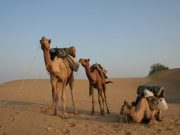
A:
[61,74]
[98,81]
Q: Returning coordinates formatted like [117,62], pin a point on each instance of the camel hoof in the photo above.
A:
[92,113]
[76,113]
[159,120]
[55,113]
[64,115]
[102,113]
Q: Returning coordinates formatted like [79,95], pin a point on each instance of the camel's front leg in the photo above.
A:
[71,85]
[159,116]
[63,98]
[55,98]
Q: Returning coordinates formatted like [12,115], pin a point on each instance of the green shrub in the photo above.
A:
[157,67]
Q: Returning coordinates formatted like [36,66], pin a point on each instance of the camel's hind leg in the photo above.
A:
[99,100]
[71,85]
[93,101]
[104,91]
[63,98]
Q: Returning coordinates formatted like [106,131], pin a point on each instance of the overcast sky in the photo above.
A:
[125,36]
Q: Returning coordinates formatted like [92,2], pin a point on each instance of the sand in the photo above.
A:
[22,105]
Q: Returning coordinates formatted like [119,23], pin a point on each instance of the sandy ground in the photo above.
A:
[22,104]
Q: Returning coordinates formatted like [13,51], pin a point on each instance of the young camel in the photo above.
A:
[98,81]
[139,112]
[60,75]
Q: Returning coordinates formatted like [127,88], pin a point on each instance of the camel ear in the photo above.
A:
[88,59]
[73,51]
[125,102]
[49,41]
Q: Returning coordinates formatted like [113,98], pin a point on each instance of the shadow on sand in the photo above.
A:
[84,115]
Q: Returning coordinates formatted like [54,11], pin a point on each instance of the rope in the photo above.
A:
[17,95]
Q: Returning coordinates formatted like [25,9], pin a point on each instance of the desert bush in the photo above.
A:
[157,67]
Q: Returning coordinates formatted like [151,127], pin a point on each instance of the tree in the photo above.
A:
[157,67]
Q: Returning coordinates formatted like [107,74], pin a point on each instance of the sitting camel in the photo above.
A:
[140,112]
[61,74]
[96,80]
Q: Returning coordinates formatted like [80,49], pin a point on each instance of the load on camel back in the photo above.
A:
[148,105]
[155,96]
[67,53]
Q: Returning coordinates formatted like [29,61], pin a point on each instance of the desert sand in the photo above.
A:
[23,104]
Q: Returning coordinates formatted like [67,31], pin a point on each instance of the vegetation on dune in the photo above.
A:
[157,67]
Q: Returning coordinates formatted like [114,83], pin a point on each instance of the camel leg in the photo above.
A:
[92,112]
[104,91]
[53,96]
[58,88]
[53,83]
[71,85]
[102,97]
[159,116]
[63,98]
[99,100]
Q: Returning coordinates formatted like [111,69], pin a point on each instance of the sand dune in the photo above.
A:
[22,103]
[171,77]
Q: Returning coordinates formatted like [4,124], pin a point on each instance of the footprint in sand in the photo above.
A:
[115,125]
[67,132]
[44,120]
[72,124]
[11,118]
[177,122]
[128,132]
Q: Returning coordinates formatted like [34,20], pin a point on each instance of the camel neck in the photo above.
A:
[89,74]
[47,58]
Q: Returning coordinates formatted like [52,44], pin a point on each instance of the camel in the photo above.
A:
[140,112]
[96,80]
[61,74]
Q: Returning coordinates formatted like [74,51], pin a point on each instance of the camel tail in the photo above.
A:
[109,82]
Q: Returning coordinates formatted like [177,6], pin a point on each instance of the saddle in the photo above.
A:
[158,91]
[61,52]
[66,53]
[100,69]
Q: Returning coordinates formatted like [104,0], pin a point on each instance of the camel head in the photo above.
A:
[125,108]
[84,62]
[45,43]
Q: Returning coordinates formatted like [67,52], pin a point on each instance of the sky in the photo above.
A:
[125,36]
